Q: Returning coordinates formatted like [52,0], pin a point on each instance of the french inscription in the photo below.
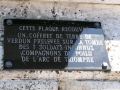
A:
[52,44]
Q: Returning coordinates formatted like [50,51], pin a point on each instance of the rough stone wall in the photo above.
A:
[109,16]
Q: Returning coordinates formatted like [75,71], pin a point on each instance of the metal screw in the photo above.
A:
[104,65]
[8,64]
[97,25]
[9,22]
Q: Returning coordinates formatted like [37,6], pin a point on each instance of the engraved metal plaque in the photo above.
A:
[50,44]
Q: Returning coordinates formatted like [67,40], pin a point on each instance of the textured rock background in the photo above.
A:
[107,12]
[29,85]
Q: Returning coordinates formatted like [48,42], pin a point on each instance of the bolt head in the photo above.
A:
[97,25]
[8,64]
[9,22]
[104,65]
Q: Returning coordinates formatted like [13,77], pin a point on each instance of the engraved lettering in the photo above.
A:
[59,36]
[23,46]
[81,59]
[73,36]
[83,53]
[57,59]
[72,29]
[21,35]
[43,59]
[31,28]
[48,28]
[66,41]
[88,36]
[16,40]
[94,42]
[84,47]
[46,41]
[40,35]
[25,58]
[41,53]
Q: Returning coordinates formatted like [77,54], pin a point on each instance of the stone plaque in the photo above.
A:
[51,44]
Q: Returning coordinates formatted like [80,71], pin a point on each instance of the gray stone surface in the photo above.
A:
[29,85]
[80,1]
[93,85]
